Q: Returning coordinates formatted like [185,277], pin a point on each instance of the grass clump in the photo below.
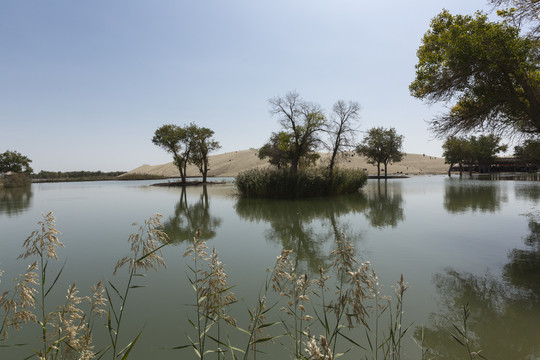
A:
[15,180]
[276,183]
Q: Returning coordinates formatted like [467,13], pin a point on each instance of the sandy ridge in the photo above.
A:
[231,163]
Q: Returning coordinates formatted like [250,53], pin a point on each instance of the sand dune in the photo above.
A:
[230,164]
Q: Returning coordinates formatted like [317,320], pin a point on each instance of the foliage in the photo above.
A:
[273,183]
[487,68]
[189,144]
[520,13]
[455,151]
[203,145]
[16,180]
[276,150]
[484,150]
[178,141]
[478,151]
[76,175]
[13,161]
[341,129]
[529,152]
[381,146]
[302,122]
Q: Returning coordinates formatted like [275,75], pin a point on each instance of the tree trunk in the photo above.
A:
[378,170]
[294,165]
[386,170]
[332,161]
[205,170]
[449,170]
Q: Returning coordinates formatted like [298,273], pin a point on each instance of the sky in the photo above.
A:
[85,84]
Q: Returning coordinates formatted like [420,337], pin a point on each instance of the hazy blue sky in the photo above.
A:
[84,84]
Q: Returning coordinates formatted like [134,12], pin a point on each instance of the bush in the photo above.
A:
[274,183]
[16,180]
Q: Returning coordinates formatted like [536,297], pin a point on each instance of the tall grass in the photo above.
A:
[341,309]
[312,182]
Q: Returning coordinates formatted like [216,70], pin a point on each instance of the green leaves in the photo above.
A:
[486,68]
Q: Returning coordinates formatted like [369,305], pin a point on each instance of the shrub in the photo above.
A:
[16,180]
[274,183]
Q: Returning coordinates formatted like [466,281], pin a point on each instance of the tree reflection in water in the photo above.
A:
[14,201]
[505,313]
[462,196]
[189,217]
[294,224]
[384,204]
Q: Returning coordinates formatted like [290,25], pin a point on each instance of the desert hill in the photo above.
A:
[231,163]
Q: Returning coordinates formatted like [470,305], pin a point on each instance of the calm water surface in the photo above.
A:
[456,242]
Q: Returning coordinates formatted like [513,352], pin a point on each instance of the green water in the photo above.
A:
[456,242]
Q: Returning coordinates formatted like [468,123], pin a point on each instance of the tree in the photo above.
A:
[178,141]
[529,152]
[521,12]
[487,68]
[485,149]
[303,121]
[456,150]
[203,144]
[13,161]
[341,129]
[381,146]
[276,150]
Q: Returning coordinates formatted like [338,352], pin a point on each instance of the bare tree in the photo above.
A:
[303,121]
[342,129]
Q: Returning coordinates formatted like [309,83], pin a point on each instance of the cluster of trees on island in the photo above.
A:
[294,150]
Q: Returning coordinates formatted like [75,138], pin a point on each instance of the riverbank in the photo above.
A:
[232,163]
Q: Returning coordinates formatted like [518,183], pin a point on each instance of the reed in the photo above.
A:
[274,183]
[294,309]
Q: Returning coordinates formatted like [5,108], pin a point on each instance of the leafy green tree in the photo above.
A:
[178,141]
[381,146]
[485,149]
[277,150]
[455,151]
[488,69]
[203,144]
[529,152]
[342,129]
[13,161]
[303,121]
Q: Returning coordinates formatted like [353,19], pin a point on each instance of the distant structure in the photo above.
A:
[502,164]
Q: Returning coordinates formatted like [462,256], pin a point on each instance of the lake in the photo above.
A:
[456,241]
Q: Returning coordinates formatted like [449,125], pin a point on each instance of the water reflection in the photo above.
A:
[188,217]
[14,201]
[384,204]
[462,196]
[528,191]
[293,224]
[505,313]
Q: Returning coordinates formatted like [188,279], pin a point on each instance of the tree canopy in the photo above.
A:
[478,151]
[203,144]
[13,161]
[529,152]
[302,122]
[456,150]
[522,13]
[381,146]
[306,128]
[188,144]
[486,69]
